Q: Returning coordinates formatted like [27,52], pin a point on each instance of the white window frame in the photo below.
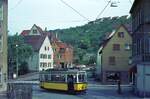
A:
[1,43]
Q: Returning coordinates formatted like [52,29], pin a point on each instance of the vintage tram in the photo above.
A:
[64,80]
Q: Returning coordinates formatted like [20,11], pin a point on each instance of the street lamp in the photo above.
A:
[16,60]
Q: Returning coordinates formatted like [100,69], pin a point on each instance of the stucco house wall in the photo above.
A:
[46,49]
[122,56]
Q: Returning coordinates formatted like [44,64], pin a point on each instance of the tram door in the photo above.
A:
[70,83]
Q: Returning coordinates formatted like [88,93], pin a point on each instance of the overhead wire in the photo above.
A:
[18,3]
[130,2]
[75,10]
[103,9]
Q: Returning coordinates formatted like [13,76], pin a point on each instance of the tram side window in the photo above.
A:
[49,78]
[75,78]
[46,77]
[42,78]
[58,78]
[81,78]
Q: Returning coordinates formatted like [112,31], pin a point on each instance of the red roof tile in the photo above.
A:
[25,32]
[39,29]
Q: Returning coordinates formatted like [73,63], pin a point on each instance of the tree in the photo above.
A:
[86,38]
[23,68]
[18,51]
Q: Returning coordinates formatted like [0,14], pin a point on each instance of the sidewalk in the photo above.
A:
[3,95]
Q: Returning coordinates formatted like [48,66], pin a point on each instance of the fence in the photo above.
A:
[19,91]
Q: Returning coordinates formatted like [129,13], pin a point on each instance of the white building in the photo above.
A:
[46,55]
[42,57]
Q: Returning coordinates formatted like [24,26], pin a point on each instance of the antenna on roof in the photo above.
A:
[114,4]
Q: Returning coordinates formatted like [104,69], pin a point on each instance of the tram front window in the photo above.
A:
[81,78]
[72,78]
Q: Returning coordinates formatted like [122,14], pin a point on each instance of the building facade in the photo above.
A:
[63,53]
[141,45]
[42,58]
[46,55]
[113,57]
[3,44]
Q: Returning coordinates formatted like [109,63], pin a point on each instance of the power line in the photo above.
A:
[19,2]
[74,10]
[103,9]
[130,1]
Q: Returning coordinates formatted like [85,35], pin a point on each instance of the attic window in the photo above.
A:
[34,31]
[121,34]
[45,48]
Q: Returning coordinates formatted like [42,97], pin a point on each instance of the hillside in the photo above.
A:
[86,39]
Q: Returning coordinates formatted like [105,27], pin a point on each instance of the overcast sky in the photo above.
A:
[53,14]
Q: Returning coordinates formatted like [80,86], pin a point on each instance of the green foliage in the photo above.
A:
[86,39]
[23,68]
[18,51]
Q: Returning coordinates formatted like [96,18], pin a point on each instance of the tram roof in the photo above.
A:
[62,71]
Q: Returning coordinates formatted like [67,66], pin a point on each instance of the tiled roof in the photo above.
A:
[39,28]
[35,41]
[25,32]
[129,28]
[61,44]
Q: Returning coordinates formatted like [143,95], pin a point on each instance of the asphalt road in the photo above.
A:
[93,92]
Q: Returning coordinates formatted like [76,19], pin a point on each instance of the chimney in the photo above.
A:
[45,29]
[56,35]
